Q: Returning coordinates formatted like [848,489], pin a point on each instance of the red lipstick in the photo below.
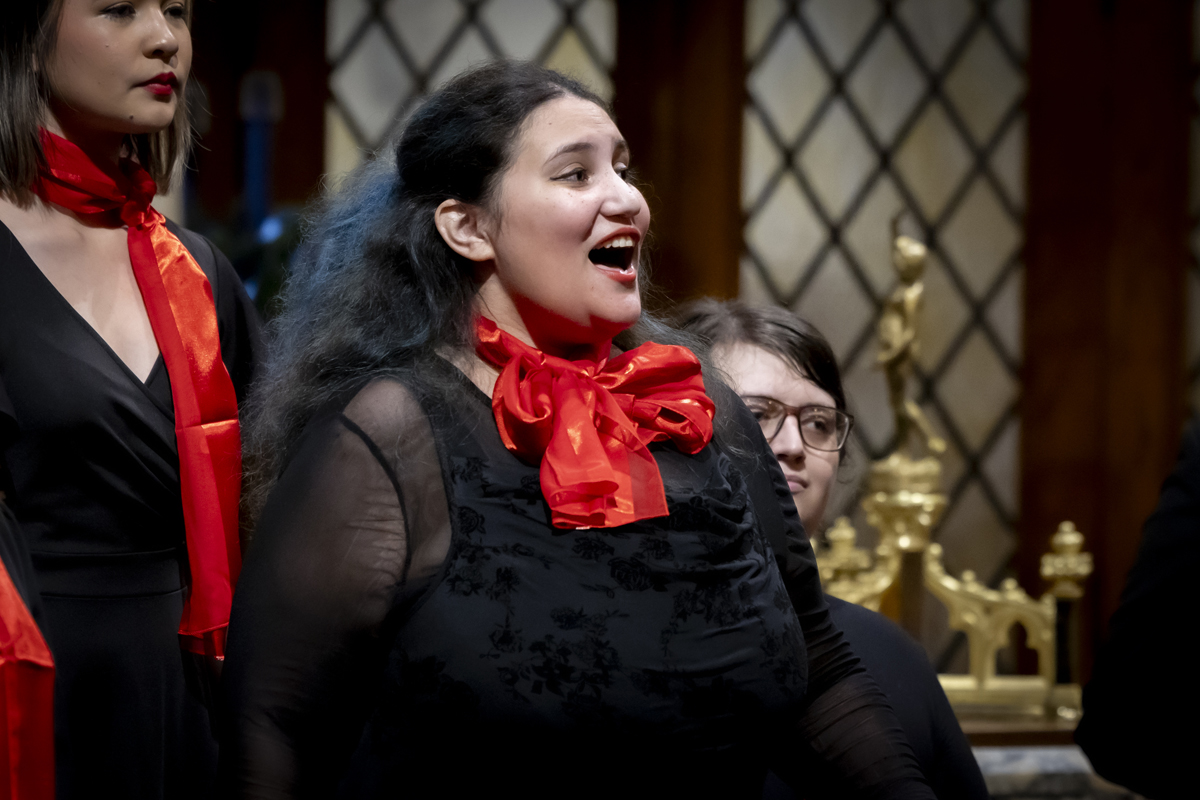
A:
[162,84]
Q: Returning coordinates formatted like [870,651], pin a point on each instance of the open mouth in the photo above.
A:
[617,253]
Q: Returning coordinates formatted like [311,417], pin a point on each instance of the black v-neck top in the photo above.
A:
[96,493]
[95,466]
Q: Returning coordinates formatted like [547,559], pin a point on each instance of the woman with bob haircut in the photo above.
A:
[786,373]
[513,538]
[125,345]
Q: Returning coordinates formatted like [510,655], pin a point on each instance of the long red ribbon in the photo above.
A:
[588,423]
[179,303]
[26,701]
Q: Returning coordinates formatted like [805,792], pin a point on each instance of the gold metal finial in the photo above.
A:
[1067,566]
[899,340]
[850,573]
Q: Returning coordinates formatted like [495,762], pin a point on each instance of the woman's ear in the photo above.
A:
[461,226]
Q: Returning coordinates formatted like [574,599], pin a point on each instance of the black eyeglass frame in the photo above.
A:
[794,411]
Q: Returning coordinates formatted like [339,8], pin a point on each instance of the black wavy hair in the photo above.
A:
[375,290]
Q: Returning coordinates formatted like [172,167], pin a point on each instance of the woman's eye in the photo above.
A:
[177,11]
[119,11]
[626,173]
[574,176]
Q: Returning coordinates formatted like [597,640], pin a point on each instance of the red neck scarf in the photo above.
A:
[179,303]
[588,423]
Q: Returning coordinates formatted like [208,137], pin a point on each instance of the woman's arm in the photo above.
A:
[349,531]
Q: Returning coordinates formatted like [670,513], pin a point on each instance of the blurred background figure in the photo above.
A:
[787,375]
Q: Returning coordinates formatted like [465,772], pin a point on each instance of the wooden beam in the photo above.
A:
[680,93]
[1103,379]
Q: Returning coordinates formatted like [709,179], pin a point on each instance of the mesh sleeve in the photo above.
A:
[355,528]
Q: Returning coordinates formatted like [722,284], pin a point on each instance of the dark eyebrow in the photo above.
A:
[621,146]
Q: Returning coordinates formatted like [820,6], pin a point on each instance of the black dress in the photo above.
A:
[409,624]
[96,490]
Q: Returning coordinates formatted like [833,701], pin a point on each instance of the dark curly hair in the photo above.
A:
[375,290]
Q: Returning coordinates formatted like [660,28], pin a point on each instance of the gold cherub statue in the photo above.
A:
[898,340]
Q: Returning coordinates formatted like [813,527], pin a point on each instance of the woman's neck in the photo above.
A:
[514,320]
[104,148]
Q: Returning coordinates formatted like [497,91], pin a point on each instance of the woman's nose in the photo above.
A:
[623,198]
[160,39]
[788,443]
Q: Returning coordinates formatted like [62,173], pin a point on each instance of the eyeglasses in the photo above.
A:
[821,427]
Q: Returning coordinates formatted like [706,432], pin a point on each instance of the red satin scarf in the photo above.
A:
[179,303]
[26,701]
[588,423]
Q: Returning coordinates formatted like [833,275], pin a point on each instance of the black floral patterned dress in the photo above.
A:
[409,624]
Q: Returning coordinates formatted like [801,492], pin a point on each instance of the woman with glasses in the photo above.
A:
[787,375]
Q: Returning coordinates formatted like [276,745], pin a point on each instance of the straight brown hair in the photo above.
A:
[28,34]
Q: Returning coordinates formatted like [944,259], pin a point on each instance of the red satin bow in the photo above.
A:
[26,700]
[180,306]
[588,423]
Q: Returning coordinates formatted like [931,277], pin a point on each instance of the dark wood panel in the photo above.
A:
[680,91]
[1106,254]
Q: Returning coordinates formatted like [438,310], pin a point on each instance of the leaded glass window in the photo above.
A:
[386,54]
[856,110]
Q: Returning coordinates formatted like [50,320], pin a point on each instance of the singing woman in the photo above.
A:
[514,537]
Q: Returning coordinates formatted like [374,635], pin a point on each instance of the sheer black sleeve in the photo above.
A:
[355,528]
[849,743]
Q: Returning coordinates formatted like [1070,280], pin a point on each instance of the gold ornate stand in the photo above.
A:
[904,502]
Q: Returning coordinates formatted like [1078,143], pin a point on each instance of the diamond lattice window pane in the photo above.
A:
[935,25]
[761,16]
[598,20]
[1013,18]
[980,237]
[789,82]
[423,26]
[933,160]
[984,85]
[837,159]
[866,394]
[887,85]
[839,26]
[974,537]
[341,149]
[752,287]
[470,50]
[522,27]
[342,18]
[760,158]
[1004,314]
[786,234]
[834,302]
[1008,162]
[1000,467]
[869,234]
[570,57]
[976,390]
[371,83]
